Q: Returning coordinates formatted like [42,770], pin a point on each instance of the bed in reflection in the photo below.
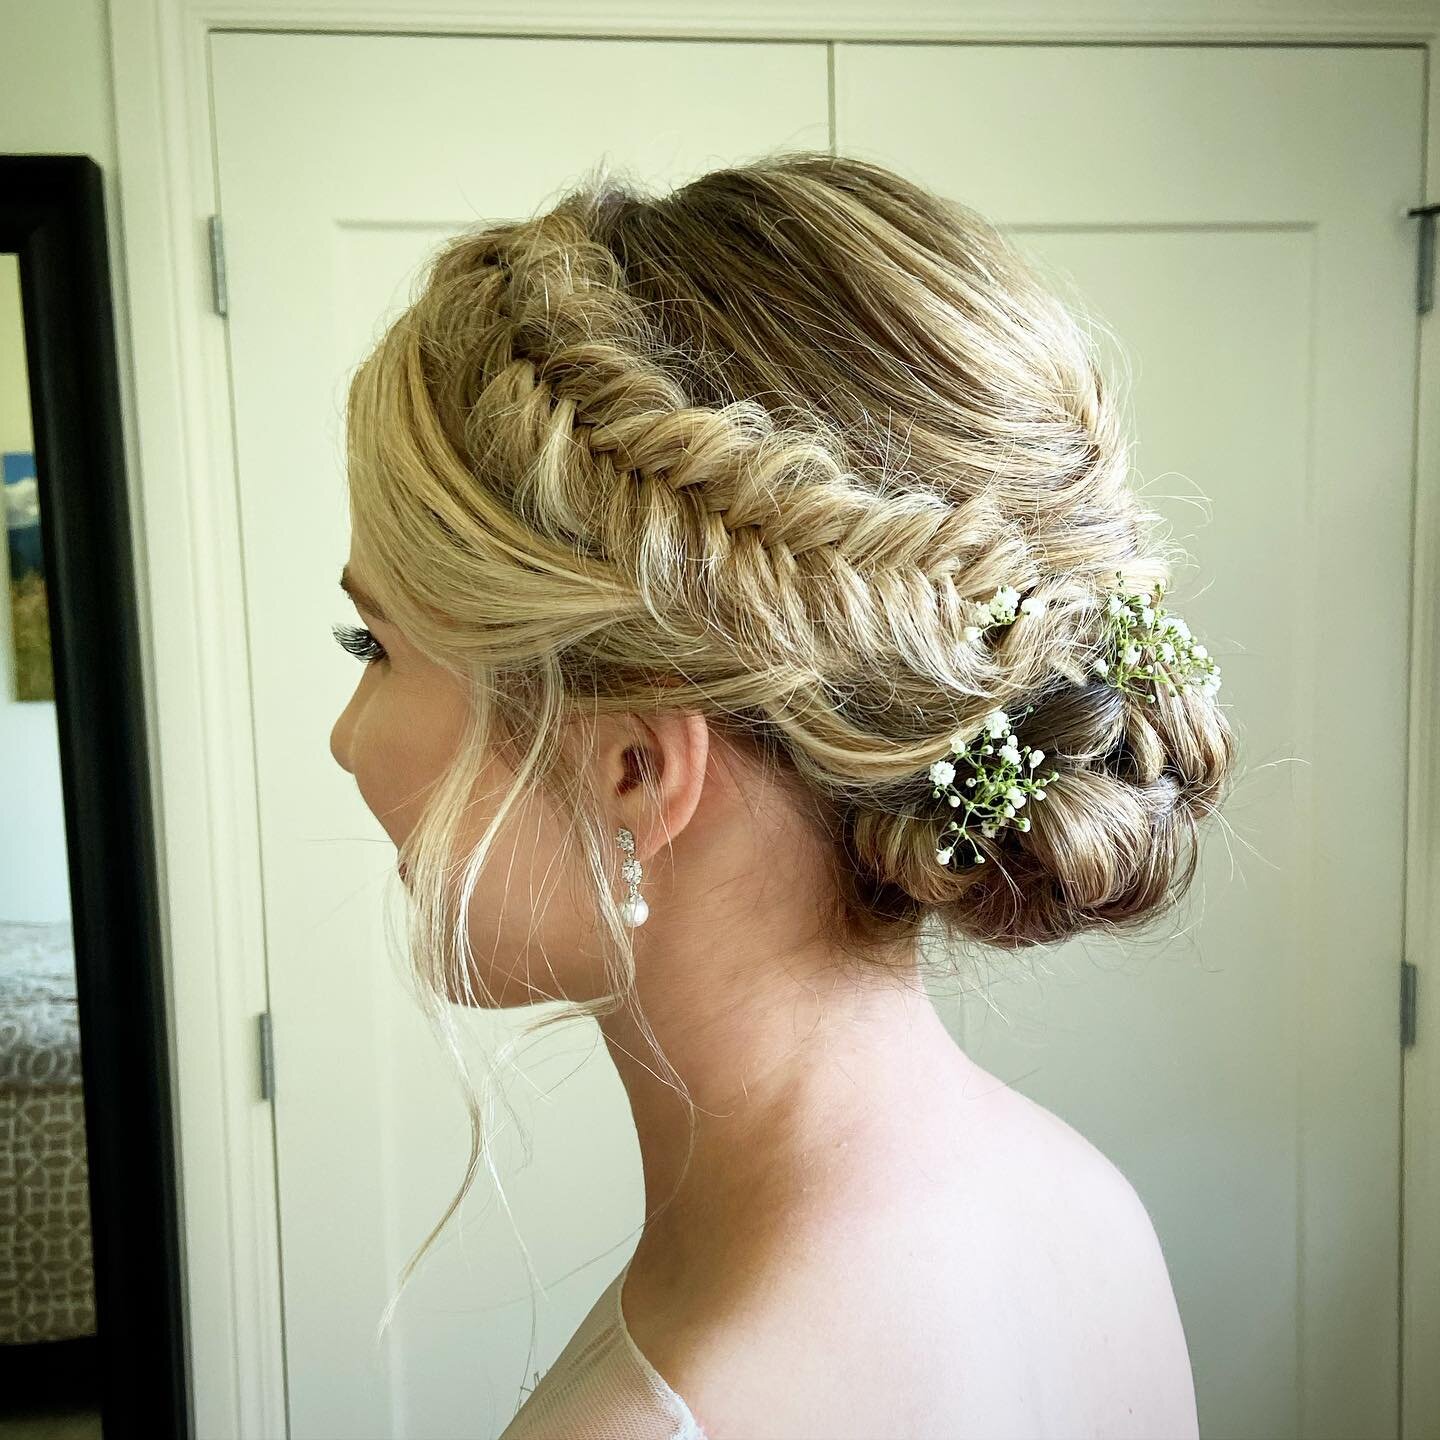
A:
[47,1293]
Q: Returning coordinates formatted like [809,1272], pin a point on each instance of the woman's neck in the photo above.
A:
[800,1083]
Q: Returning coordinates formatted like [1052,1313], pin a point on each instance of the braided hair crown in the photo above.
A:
[764,447]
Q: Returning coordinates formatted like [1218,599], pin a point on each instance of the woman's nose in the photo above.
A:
[340,737]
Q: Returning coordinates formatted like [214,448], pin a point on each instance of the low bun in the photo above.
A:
[1115,841]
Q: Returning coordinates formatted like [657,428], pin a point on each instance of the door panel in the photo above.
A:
[1236,216]
[343,161]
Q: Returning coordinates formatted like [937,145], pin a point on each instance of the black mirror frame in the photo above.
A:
[52,215]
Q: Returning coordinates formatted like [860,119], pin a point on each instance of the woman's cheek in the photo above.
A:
[382,770]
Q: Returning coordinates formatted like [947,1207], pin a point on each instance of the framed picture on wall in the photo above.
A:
[29,609]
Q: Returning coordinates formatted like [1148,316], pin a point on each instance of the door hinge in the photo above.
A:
[219,296]
[267,1058]
[1425,278]
[1408,979]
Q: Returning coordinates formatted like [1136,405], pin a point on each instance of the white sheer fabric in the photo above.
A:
[601,1387]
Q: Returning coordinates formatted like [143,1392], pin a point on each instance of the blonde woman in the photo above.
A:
[690,535]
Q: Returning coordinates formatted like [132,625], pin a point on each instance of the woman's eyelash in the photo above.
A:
[359,642]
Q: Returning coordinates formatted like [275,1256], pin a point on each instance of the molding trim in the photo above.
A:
[1212,21]
[207,830]
[1419,1279]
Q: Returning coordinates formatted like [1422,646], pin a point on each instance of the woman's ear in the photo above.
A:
[658,774]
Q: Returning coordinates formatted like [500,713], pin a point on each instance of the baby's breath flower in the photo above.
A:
[1152,647]
[1004,608]
[997,788]
[1144,648]
[1002,605]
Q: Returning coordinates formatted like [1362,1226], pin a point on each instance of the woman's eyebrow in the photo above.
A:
[361,599]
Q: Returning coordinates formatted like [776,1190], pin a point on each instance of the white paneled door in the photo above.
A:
[1237,215]
[343,161]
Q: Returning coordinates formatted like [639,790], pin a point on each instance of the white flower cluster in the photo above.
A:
[997,789]
[1004,608]
[1153,647]
[1147,645]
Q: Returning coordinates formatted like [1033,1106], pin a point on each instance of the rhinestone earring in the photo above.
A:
[633,909]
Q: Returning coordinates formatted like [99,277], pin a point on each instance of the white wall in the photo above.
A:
[55,77]
[33,880]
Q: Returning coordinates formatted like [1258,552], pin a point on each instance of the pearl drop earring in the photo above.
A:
[633,909]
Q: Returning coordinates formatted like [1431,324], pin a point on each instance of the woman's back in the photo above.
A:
[1009,1285]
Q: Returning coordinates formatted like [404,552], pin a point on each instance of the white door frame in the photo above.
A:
[179,435]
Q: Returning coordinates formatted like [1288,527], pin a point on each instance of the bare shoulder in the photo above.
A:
[1017,1286]
[1100,1194]
[1116,1339]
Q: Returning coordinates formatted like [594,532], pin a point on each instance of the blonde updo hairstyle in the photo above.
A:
[764,447]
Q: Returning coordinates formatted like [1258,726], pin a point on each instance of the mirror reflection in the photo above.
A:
[47,1287]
